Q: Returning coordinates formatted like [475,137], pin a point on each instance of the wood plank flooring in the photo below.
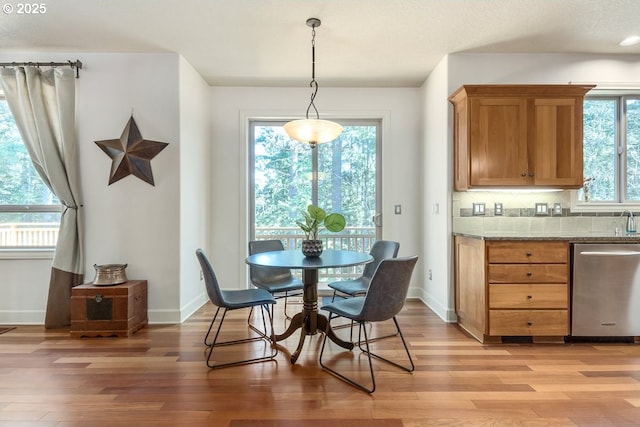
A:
[158,377]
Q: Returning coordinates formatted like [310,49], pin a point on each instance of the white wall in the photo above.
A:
[437,182]
[233,107]
[195,184]
[129,221]
[24,285]
[499,69]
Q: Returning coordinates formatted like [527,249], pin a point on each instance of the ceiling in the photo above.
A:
[361,43]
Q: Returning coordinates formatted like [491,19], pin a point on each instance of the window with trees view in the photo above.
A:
[29,212]
[611,150]
[340,176]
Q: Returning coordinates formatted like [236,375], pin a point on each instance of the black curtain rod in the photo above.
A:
[73,64]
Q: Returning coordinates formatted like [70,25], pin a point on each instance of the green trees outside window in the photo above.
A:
[611,150]
[287,176]
[29,212]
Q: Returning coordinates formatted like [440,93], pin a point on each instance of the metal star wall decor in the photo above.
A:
[131,154]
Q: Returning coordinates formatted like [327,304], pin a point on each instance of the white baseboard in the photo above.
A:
[22,317]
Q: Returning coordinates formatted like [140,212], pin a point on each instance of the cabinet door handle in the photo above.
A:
[523,174]
[531,174]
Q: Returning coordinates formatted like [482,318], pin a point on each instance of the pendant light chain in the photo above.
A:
[313,84]
[313,131]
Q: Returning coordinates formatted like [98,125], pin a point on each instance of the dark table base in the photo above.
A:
[309,320]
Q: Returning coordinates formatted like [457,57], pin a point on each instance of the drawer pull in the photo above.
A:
[529,297]
[529,274]
[529,254]
[99,297]
[529,323]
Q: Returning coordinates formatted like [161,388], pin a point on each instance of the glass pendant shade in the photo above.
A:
[313,131]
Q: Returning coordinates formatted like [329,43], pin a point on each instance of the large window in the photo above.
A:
[611,151]
[340,176]
[29,212]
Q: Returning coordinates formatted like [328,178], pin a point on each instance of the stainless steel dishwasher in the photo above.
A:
[606,290]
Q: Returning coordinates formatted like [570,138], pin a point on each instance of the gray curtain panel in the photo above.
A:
[43,104]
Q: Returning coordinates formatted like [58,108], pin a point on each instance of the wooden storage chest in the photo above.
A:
[117,310]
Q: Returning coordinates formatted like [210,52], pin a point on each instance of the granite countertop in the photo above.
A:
[571,237]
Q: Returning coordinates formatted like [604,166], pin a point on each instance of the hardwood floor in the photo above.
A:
[158,377]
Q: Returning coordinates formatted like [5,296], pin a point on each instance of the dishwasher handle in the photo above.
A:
[610,253]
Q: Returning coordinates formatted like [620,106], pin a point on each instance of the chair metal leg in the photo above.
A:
[262,332]
[344,377]
[211,326]
[362,330]
[347,325]
[406,349]
[215,343]
[286,315]
[286,302]
[374,339]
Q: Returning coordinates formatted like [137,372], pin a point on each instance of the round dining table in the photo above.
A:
[309,320]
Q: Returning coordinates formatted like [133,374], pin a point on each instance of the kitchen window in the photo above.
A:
[29,212]
[611,153]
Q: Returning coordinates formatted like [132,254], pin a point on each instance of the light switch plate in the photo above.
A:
[497,209]
[542,209]
[478,208]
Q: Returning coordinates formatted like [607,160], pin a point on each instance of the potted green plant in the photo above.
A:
[314,218]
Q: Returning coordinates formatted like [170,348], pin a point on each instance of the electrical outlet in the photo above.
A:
[397,209]
[497,209]
[201,275]
[557,209]
[430,274]
[478,208]
[542,209]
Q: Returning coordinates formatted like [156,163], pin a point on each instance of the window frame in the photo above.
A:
[21,252]
[252,123]
[620,96]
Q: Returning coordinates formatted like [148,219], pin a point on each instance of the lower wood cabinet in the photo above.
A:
[512,288]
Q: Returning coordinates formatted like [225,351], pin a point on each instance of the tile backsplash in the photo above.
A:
[521,213]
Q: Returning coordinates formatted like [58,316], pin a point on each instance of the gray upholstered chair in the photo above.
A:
[279,282]
[381,249]
[383,301]
[232,300]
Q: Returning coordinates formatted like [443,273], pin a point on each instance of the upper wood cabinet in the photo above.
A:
[518,136]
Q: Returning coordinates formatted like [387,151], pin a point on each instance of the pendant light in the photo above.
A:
[313,131]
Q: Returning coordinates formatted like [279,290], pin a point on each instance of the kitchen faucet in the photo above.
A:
[631,222]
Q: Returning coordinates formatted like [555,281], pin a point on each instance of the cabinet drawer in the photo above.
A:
[529,322]
[545,252]
[527,296]
[523,273]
